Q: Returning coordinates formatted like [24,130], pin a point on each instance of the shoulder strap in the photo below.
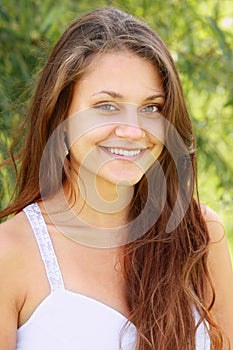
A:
[44,242]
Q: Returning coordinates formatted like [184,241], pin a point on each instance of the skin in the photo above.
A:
[111,114]
[95,272]
[220,267]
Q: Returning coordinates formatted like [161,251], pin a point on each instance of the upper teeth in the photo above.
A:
[123,152]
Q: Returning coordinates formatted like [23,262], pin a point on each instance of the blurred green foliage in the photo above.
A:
[199,35]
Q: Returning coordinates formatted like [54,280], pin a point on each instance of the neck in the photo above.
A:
[94,215]
[104,202]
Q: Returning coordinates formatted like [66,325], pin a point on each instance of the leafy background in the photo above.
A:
[199,34]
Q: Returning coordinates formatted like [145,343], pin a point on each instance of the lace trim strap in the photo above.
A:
[44,242]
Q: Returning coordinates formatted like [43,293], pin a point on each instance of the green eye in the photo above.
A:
[150,109]
[106,107]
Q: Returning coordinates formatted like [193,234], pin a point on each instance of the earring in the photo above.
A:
[66,146]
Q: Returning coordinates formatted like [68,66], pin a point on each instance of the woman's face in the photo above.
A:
[114,128]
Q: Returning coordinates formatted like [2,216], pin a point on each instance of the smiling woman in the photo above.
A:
[121,135]
[107,216]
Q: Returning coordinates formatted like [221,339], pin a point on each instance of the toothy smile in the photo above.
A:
[123,152]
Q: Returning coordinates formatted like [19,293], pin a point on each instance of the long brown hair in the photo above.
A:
[166,272]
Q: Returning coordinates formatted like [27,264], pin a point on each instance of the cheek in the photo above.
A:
[156,136]
[155,128]
[87,124]
[158,145]
[158,149]
[88,135]
[76,156]
[85,152]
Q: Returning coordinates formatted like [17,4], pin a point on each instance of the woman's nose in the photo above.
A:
[129,131]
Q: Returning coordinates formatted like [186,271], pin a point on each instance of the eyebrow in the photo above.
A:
[154,97]
[121,97]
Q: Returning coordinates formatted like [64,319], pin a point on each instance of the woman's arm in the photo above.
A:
[220,267]
[10,287]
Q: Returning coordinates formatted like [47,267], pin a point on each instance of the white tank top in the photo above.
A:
[67,320]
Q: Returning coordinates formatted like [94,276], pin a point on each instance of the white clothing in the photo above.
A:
[67,320]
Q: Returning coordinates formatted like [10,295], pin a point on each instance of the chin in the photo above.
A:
[126,181]
[122,174]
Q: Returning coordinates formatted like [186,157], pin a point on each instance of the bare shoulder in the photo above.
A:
[12,231]
[14,239]
[13,254]
[220,267]
[15,245]
[219,253]
[214,224]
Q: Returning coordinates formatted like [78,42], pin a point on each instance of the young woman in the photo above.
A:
[109,247]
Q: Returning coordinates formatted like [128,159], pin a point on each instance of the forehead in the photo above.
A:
[121,70]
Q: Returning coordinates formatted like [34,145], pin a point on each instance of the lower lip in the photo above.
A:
[120,157]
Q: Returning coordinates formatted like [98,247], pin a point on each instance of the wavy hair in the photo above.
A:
[166,272]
